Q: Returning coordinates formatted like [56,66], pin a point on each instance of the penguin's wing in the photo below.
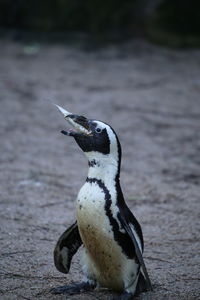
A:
[66,247]
[126,219]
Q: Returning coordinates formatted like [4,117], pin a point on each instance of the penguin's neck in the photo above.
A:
[103,167]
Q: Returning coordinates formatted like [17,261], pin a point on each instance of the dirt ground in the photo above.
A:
[151,96]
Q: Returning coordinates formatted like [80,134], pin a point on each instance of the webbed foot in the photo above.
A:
[124,296]
[72,289]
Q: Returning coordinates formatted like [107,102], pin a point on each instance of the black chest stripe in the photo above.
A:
[123,239]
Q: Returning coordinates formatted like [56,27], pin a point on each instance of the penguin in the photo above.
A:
[111,236]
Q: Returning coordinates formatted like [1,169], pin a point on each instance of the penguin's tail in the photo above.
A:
[141,285]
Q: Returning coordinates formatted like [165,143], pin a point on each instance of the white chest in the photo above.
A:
[104,257]
[104,254]
[91,209]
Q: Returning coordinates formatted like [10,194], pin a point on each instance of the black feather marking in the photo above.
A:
[123,208]
[137,251]
[95,142]
[127,214]
[123,239]
[93,163]
[66,247]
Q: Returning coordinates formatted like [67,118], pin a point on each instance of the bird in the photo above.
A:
[111,236]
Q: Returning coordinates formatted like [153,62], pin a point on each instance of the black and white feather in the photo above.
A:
[111,235]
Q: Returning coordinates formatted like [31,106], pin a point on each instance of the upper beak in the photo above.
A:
[63,111]
[79,123]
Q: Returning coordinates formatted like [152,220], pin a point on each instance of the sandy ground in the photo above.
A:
[151,96]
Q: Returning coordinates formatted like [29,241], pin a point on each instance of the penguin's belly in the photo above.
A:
[104,257]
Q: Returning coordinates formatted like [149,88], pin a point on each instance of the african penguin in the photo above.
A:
[110,234]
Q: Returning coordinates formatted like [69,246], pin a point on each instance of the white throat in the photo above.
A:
[102,167]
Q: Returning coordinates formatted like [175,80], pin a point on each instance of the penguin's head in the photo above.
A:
[94,137]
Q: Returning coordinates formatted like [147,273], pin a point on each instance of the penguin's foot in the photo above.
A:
[72,289]
[124,296]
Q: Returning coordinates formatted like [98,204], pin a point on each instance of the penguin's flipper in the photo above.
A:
[126,226]
[66,247]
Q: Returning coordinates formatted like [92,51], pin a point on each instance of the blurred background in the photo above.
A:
[168,22]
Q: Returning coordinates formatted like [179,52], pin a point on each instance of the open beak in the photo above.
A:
[80,124]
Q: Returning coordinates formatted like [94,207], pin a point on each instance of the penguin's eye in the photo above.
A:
[98,130]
